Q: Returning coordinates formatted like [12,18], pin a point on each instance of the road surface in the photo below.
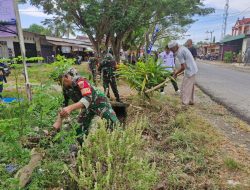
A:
[227,86]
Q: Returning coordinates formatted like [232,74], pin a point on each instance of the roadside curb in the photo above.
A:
[242,68]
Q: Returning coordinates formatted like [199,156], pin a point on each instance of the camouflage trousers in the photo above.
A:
[110,81]
[104,110]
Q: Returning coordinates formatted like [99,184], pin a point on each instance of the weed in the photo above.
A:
[232,164]
[114,160]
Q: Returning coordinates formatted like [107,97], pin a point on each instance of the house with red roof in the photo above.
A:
[239,41]
[241,27]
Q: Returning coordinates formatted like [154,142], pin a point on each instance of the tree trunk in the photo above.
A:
[116,47]
[107,42]
[96,44]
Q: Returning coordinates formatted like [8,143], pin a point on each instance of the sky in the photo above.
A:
[197,31]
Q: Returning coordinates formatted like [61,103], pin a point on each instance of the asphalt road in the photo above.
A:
[226,86]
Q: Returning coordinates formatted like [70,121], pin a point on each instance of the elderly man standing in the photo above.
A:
[191,48]
[189,66]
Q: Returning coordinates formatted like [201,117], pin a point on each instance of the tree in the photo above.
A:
[114,19]
[38,29]
[59,27]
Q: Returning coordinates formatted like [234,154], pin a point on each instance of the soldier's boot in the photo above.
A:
[106,92]
[117,96]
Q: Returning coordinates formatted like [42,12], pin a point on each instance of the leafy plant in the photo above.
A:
[144,75]
[228,57]
[114,160]
[19,60]
[61,65]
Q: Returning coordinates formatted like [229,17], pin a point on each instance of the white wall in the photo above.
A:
[28,38]
[245,45]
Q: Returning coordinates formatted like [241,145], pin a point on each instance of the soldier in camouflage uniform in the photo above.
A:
[86,97]
[93,62]
[107,67]
[2,77]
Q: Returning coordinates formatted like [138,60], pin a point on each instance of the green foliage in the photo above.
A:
[60,66]
[44,106]
[38,29]
[114,160]
[231,164]
[49,175]
[143,75]
[59,27]
[228,57]
[19,60]
[115,19]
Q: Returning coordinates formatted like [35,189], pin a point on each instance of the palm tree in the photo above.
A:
[59,27]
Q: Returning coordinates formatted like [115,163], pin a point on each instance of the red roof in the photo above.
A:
[244,21]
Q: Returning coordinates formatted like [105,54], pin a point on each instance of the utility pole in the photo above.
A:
[22,48]
[211,37]
[225,16]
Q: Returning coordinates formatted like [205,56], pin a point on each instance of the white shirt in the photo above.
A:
[185,57]
[167,60]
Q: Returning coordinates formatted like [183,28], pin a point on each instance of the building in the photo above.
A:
[239,41]
[41,45]
[241,27]
[209,49]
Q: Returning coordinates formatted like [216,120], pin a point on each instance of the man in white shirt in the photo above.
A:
[189,66]
[167,60]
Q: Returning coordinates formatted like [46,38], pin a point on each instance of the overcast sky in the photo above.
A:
[197,31]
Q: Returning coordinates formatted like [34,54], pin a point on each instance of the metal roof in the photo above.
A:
[68,44]
[232,38]
[73,41]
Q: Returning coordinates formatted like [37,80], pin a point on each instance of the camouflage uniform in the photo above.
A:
[93,67]
[107,67]
[95,102]
[2,77]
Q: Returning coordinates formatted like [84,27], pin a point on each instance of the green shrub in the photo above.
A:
[143,75]
[19,60]
[228,57]
[60,66]
[114,160]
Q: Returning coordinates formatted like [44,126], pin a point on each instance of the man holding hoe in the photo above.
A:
[189,66]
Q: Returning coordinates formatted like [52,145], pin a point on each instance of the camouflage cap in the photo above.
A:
[72,72]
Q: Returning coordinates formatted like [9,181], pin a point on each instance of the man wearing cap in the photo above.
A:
[189,66]
[85,97]
[107,68]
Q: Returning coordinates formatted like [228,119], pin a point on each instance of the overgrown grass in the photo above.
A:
[114,160]
[187,149]
[172,148]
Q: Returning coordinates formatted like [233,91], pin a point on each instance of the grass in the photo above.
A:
[189,151]
[232,164]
